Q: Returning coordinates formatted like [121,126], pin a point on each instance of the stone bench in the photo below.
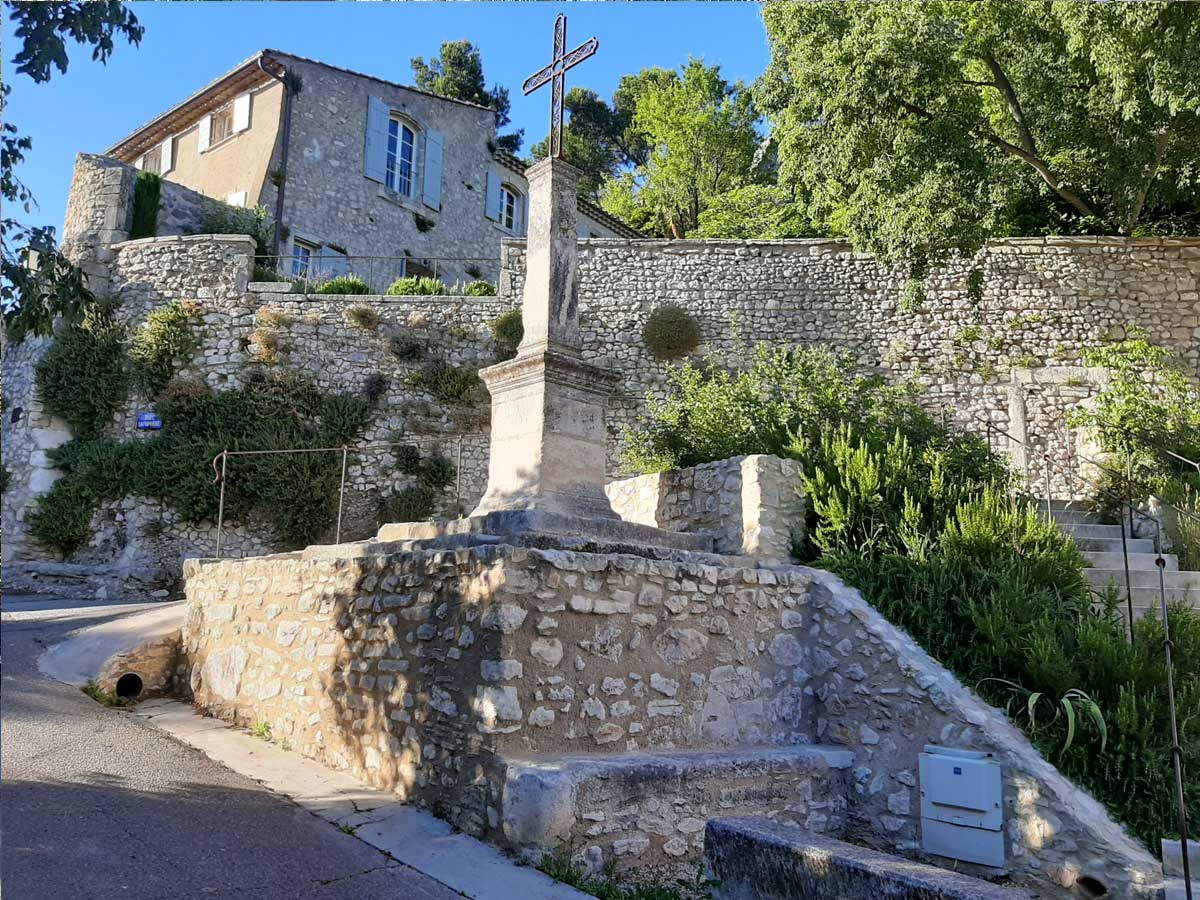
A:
[757,859]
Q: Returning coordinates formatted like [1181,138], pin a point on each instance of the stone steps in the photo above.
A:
[650,808]
[1115,559]
[1172,857]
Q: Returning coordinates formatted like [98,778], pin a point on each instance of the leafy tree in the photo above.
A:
[700,138]
[756,212]
[457,72]
[32,299]
[923,128]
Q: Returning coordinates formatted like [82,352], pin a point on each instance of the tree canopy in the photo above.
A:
[917,129]
[33,299]
[699,139]
[457,72]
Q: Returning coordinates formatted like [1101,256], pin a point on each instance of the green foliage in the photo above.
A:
[404,347]
[344,284]
[414,503]
[700,132]
[410,285]
[146,192]
[923,521]
[103,697]
[431,474]
[1146,416]
[5,479]
[261,730]
[670,332]
[84,377]
[606,886]
[968,334]
[479,289]
[162,344]
[219,218]
[33,300]
[457,72]
[507,331]
[278,411]
[756,212]
[450,384]
[364,317]
[942,124]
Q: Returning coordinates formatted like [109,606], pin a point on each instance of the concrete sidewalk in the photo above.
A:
[410,836]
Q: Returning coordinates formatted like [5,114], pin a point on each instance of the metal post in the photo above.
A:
[221,502]
[1046,479]
[1176,749]
[1068,461]
[458,477]
[371,273]
[337,537]
[1128,581]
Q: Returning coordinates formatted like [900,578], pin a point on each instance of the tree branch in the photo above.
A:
[1161,139]
[1031,159]
[1009,93]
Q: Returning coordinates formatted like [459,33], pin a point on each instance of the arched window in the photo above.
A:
[401,156]
[511,207]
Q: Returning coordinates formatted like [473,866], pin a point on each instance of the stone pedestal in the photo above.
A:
[548,436]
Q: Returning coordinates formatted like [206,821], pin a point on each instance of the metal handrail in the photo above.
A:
[322,267]
[1160,564]
[219,471]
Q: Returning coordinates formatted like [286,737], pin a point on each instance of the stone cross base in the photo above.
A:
[548,436]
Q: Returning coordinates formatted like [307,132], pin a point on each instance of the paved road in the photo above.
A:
[97,804]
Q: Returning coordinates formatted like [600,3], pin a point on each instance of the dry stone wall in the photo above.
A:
[427,673]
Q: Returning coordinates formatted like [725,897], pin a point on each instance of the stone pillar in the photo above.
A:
[548,437]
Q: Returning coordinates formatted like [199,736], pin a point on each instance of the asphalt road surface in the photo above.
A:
[95,804]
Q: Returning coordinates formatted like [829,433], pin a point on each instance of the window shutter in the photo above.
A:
[237,198]
[139,162]
[167,154]
[433,169]
[375,158]
[492,200]
[519,216]
[241,113]
[205,132]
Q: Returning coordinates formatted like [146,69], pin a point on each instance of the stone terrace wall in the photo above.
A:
[1044,300]
[423,672]
[753,504]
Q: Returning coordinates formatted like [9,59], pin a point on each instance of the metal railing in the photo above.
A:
[1125,501]
[377,272]
[220,466]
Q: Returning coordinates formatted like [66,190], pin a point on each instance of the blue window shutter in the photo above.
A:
[375,158]
[492,200]
[432,187]
[519,215]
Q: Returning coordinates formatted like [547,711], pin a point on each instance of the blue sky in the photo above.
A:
[186,45]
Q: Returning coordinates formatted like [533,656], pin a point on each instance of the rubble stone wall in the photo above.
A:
[424,672]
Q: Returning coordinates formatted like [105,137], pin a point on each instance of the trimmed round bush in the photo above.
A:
[411,286]
[507,330]
[344,284]
[480,289]
[670,332]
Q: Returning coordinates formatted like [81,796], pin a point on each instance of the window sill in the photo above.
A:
[223,141]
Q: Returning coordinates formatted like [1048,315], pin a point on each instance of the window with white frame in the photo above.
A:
[510,206]
[302,254]
[401,157]
[222,125]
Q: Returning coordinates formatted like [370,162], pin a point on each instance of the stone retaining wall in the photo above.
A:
[424,672]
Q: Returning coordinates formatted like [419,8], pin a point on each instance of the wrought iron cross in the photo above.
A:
[555,72]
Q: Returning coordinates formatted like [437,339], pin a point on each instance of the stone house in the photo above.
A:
[365,175]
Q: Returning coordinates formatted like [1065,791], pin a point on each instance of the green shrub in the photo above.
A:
[670,332]
[450,384]
[219,218]
[414,286]
[343,284]
[414,503]
[363,317]
[924,523]
[403,347]
[5,479]
[480,289]
[84,376]
[146,192]
[163,343]
[298,492]
[507,331]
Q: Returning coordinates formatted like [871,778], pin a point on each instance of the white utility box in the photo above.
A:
[962,816]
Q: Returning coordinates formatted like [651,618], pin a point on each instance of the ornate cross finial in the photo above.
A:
[555,72]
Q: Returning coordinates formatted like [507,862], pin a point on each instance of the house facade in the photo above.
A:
[364,175]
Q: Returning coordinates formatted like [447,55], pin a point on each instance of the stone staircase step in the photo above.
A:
[1107,559]
[1143,578]
[1107,545]
[1176,889]
[1172,857]
[1077,530]
[1078,517]
[652,806]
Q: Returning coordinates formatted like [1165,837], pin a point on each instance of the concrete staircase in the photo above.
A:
[1100,540]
